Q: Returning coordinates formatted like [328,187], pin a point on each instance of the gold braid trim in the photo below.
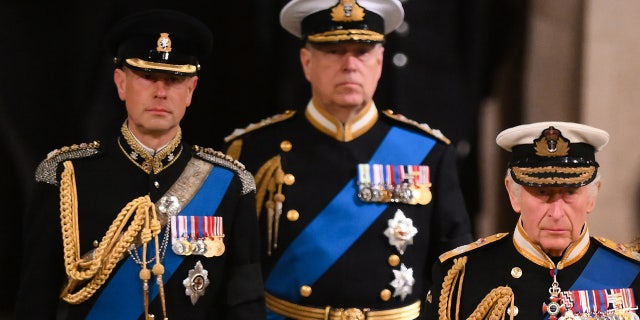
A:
[263,178]
[453,275]
[494,305]
[99,266]
[270,178]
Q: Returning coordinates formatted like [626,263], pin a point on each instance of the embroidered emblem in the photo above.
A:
[347,10]
[400,231]
[196,282]
[164,43]
[403,282]
[551,143]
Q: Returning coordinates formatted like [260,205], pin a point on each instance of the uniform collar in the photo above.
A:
[346,132]
[534,253]
[144,157]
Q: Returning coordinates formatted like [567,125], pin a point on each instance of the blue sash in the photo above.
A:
[323,241]
[120,299]
[605,270]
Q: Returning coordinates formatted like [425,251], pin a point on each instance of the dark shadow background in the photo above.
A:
[56,85]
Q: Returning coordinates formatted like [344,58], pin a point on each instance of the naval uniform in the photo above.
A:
[595,279]
[108,176]
[325,249]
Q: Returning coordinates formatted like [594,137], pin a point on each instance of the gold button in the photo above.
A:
[286,146]
[516,272]
[293,215]
[394,260]
[515,311]
[385,295]
[156,184]
[289,179]
[305,291]
[95,243]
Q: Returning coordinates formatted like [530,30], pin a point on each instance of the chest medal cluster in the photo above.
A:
[197,235]
[604,304]
[409,184]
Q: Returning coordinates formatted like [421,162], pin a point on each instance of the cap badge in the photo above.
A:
[347,10]
[164,43]
[551,143]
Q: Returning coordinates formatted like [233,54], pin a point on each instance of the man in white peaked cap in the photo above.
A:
[549,267]
[355,203]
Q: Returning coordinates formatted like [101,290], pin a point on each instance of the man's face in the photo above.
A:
[343,74]
[155,102]
[553,217]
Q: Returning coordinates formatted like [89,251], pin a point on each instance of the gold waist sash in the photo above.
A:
[296,311]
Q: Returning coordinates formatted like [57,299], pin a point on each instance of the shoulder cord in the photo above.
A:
[492,307]
[110,250]
[453,275]
[270,178]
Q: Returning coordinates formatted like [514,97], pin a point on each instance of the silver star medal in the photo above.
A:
[400,231]
[403,283]
[196,282]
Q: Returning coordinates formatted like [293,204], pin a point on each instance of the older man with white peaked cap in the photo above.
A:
[549,267]
[355,203]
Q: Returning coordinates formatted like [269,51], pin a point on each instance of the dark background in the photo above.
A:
[56,86]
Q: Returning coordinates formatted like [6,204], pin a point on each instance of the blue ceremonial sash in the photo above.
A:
[605,270]
[120,299]
[323,241]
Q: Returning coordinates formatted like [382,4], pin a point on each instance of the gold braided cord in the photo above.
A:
[263,177]
[111,248]
[450,280]
[494,305]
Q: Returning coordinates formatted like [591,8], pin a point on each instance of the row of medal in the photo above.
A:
[394,183]
[197,235]
[607,304]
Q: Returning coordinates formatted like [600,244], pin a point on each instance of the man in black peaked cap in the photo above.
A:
[144,224]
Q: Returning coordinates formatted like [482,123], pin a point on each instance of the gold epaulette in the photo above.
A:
[262,123]
[619,247]
[227,161]
[471,246]
[422,126]
[46,171]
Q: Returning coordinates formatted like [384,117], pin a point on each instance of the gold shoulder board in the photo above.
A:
[422,126]
[262,123]
[619,247]
[471,246]
[46,171]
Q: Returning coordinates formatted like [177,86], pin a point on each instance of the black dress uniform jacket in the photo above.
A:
[514,268]
[317,165]
[106,181]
